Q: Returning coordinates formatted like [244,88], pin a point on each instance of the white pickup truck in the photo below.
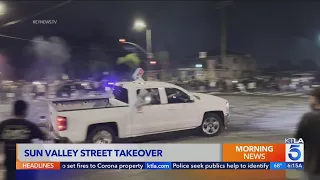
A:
[138,108]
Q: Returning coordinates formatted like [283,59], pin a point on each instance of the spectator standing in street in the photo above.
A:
[41,90]
[17,130]
[229,85]
[308,130]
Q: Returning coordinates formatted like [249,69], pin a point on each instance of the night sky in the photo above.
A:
[269,31]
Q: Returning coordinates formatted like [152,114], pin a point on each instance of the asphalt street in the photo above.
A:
[253,119]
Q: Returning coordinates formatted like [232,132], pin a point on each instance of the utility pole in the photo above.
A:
[222,6]
[149,49]
[149,43]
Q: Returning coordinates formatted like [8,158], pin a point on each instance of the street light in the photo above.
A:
[2,8]
[140,25]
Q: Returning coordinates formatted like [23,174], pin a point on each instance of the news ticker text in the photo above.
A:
[162,165]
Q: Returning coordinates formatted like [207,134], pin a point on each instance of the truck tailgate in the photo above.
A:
[77,114]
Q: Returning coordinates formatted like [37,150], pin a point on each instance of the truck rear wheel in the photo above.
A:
[212,125]
[101,135]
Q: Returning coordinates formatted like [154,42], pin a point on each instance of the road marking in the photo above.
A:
[258,93]
[286,94]
[262,93]
[294,94]
[237,92]
[255,134]
[278,94]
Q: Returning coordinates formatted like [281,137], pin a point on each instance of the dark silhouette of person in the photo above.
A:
[17,130]
[308,130]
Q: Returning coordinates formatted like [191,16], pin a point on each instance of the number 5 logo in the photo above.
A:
[294,149]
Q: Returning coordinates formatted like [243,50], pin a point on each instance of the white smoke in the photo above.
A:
[54,49]
[52,53]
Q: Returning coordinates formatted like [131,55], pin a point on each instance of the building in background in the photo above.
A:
[235,65]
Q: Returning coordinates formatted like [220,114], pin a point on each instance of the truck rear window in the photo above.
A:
[120,94]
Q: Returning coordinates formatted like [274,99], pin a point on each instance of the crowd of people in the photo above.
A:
[10,90]
[260,84]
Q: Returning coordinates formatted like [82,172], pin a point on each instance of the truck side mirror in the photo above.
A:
[190,99]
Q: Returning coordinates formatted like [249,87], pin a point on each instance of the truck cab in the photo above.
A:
[138,108]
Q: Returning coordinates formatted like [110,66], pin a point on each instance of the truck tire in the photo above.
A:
[101,135]
[212,125]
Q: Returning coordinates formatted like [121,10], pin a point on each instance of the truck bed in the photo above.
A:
[85,104]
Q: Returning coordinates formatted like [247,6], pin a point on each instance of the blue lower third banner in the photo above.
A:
[165,165]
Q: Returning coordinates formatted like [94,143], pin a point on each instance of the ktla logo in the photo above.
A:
[294,153]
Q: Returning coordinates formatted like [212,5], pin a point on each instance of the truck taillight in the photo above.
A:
[61,123]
